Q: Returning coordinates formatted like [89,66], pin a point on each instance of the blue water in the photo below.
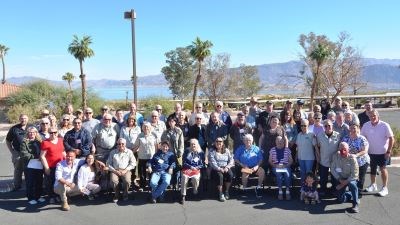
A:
[119,93]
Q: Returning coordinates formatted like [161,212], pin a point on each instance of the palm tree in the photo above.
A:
[3,52]
[80,49]
[319,55]
[199,50]
[69,77]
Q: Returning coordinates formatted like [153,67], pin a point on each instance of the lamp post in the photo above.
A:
[132,16]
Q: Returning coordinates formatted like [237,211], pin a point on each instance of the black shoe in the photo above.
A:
[258,192]
[182,201]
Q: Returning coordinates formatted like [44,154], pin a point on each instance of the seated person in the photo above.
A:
[221,162]
[161,165]
[120,162]
[65,173]
[280,159]
[344,168]
[308,191]
[249,157]
[193,161]
[88,177]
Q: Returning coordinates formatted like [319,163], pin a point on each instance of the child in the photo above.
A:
[309,190]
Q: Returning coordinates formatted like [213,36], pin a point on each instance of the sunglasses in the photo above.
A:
[303,125]
[219,106]
[88,112]
[317,118]
[54,132]
[65,119]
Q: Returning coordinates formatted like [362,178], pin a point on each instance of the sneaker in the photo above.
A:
[227,197]
[32,202]
[182,201]
[65,206]
[52,201]
[221,197]
[115,199]
[258,192]
[384,191]
[306,201]
[355,209]
[153,200]
[91,197]
[41,199]
[371,188]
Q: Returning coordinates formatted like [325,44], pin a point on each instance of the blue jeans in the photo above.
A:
[345,195]
[305,167]
[157,189]
[283,176]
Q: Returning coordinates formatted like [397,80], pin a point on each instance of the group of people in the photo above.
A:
[84,154]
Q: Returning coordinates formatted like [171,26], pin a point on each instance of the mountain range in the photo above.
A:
[377,73]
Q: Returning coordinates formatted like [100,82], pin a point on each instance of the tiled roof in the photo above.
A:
[7,89]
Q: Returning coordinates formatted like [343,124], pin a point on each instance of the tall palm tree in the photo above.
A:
[80,49]
[199,50]
[3,52]
[69,77]
[319,55]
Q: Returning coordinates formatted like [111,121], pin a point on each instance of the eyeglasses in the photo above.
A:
[198,118]
[88,112]
[44,123]
[328,125]
[302,125]
[317,118]
[120,143]
[65,119]
[107,119]
[54,132]
[104,109]
[344,105]
[219,106]
[219,141]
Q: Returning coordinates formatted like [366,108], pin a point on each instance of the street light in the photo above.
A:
[132,16]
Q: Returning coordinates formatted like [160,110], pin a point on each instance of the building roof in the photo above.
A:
[8,89]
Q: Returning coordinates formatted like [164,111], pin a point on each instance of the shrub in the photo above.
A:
[396,147]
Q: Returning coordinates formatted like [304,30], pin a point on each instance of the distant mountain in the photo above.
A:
[376,72]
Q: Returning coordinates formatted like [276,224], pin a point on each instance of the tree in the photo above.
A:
[80,49]
[69,77]
[247,81]
[199,50]
[217,83]
[179,72]
[316,51]
[3,52]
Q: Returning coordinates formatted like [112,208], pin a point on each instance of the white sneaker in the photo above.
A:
[32,202]
[384,191]
[371,188]
[41,199]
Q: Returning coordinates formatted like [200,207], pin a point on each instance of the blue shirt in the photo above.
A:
[161,161]
[80,139]
[249,157]
[193,159]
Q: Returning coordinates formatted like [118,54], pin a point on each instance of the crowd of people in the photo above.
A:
[81,154]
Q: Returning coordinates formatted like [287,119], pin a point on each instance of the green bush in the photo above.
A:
[396,147]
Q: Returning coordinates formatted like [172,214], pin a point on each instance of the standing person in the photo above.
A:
[105,136]
[52,152]
[337,104]
[249,118]
[223,115]
[363,117]
[158,126]
[199,109]
[305,142]
[358,146]
[344,169]
[162,117]
[347,108]
[327,146]
[69,110]
[317,126]
[267,139]
[53,121]
[88,177]
[120,162]
[15,137]
[133,112]
[288,107]
[64,176]
[89,123]
[104,110]
[146,145]
[198,131]
[193,161]
[239,129]
[262,121]
[78,139]
[65,125]
[340,126]
[325,108]
[44,128]
[175,114]
[30,152]
[161,167]
[184,126]
[216,128]
[119,118]
[381,140]
[299,107]
[221,161]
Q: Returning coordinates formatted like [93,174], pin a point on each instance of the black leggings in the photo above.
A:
[142,172]
[220,177]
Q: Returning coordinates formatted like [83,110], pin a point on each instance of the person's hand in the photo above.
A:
[47,171]
[387,155]
[225,170]
[170,171]
[255,168]
[71,185]
[149,170]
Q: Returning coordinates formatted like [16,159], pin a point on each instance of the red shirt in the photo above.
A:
[54,152]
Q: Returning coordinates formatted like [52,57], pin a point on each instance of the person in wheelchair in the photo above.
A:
[193,160]
[249,158]
[280,159]
[161,167]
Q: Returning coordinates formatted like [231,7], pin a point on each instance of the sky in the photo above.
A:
[253,32]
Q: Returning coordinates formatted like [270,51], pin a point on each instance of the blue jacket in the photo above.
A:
[193,159]
[161,161]
[78,139]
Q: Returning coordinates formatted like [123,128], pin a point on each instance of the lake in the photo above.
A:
[119,93]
